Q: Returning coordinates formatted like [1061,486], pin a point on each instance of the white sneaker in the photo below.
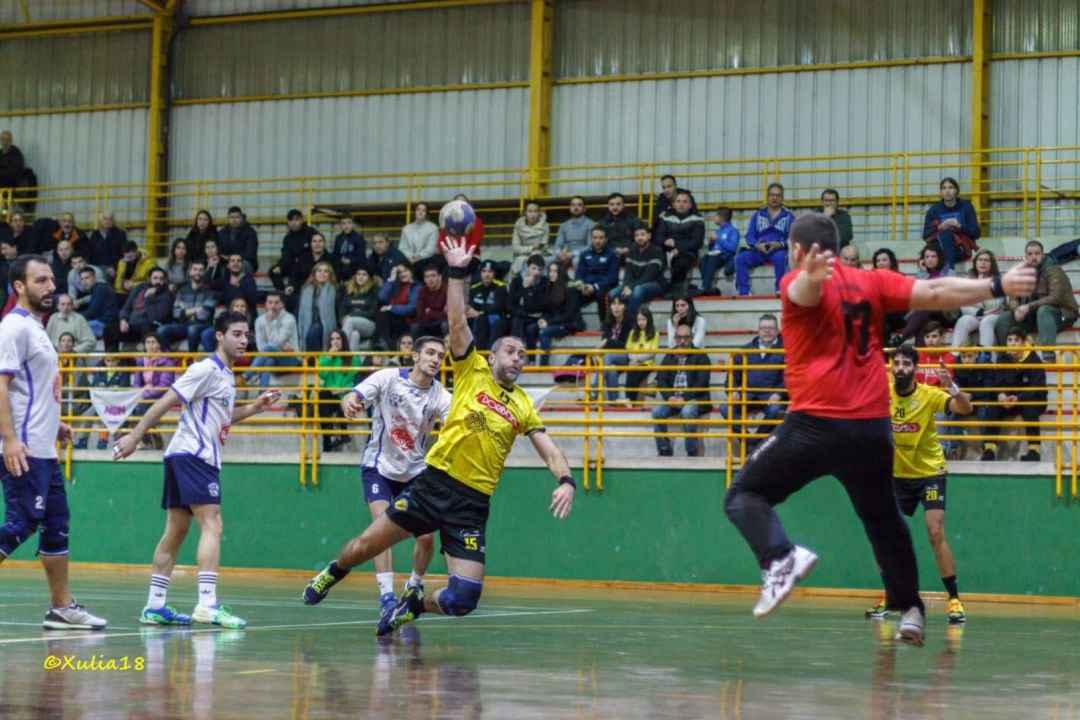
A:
[779,580]
[72,617]
[912,627]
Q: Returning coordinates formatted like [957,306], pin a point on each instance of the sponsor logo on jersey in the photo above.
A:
[403,438]
[906,427]
[498,408]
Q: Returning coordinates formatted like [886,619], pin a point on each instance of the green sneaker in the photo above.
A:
[220,615]
[320,585]
[408,608]
[167,615]
[877,611]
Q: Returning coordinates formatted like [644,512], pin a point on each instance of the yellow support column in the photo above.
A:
[540,42]
[980,101]
[156,150]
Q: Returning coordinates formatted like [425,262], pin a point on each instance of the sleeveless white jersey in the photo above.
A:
[208,390]
[27,354]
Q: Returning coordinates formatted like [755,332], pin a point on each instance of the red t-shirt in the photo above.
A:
[929,362]
[833,366]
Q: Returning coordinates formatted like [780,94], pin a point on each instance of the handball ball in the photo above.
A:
[456,218]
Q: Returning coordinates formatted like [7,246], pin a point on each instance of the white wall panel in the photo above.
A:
[1035,103]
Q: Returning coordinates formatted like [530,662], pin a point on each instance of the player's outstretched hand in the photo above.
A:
[266,399]
[64,434]
[562,500]
[456,253]
[818,265]
[352,405]
[15,454]
[1019,280]
[125,446]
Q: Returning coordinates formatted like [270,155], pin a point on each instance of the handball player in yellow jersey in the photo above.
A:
[452,495]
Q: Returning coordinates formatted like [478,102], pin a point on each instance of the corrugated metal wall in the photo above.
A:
[1042,26]
[201,8]
[11,11]
[1036,103]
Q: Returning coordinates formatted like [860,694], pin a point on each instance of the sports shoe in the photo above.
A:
[419,584]
[387,602]
[779,580]
[877,611]
[72,617]
[167,615]
[912,627]
[220,615]
[408,608]
[955,611]
[319,586]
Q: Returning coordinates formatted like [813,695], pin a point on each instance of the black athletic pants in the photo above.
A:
[859,453]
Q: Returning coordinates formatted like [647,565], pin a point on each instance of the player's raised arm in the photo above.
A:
[817,268]
[263,402]
[946,293]
[458,258]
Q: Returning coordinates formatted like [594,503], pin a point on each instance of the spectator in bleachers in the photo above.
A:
[830,207]
[621,224]
[384,257]
[398,297]
[317,316]
[404,356]
[107,374]
[723,247]
[598,271]
[204,229]
[237,236]
[67,230]
[563,315]
[336,378]
[420,238]
[8,253]
[349,249]
[101,309]
[176,267]
[643,278]
[431,306]
[215,264]
[616,330]
[134,268]
[74,279]
[66,320]
[19,233]
[641,346]
[358,303]
[156,373]
[236,281]
[885,259]
[275,332]
[1051,307]
[12,162]
[683,391]
[61,265]
[106,245]
[574,234]
[208,339]
[764,386]
[487,307]
[193,309]
[665,201]
[976,382]
[1029,403]
[316,253]
[931,265]
[952,224]
[527,299]
[849,255]
[982,316]
[683,312]
[530,237]
[767,238]
[930,357]
[296,242]
[147,308]
[682,236]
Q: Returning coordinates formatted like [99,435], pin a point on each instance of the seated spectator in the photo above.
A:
[383,257]
[203,230]
[681,235]
[235,281]
[108,374]
[404,353]
[574,234]
[147,308]
[305,263]
[617,326]
[721,252]
[193,310]
[683,312]
[643,278]
[431,306]
[931,358]
[318,307]
[336,378]
[767,238]
[764,387]
[275,332]
[350,249]
[12,162]
[562,316]
[74,282]
[620,224]
[398,297]
[641,347]
[238,237]
[684,390]
[296,242]
[133,269]
[106,245]
[982,316]
[215,264]
[358,302]
[931,265]
[66,320]
[8,253]
[885,259]
[176,267]
[61,265]
[101,309]
[527,299]
[208,339]
[487,307]
[830,207]
[67,230]
[665,201]
[155,373]
[19,233]
[1050,308]
[598,271]
[849,255]
[952,224]
[976,382]
[1029,402]
[530,236]
[419,239]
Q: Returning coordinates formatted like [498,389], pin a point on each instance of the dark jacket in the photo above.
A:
[974,381]
[101,377]
[665,379]
[247,289]
[196,242]
[963,211]
[615,334]
[358,304]
[488,299]
[644,266]
[11,167]
[145,313]
[1030,375]
[351,248]
[106,250]
[305,263]
[102,305]
[381,265]
[688,232]
[293,245]
[529,301]
[1052,287]
[663,206]
[243,240]
[843,225]
[620,229]
[60,275]
[598,268]
[759,379]
[568,312]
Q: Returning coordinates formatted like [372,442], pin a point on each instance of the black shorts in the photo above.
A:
[436,501]
[929,491]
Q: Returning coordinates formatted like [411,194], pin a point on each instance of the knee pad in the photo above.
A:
[53,538]
[460,596]
[13,533]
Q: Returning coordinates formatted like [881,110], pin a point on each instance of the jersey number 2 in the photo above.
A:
[857,325]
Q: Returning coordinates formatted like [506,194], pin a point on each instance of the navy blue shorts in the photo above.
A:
[377,487]
[928,491]
[189,481]
[37,498]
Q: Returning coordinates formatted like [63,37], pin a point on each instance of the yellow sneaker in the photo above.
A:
[878,610]
[955,611]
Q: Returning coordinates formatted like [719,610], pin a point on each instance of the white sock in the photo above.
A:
[386,582]
[207,588]
[415,579]
[159,586]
